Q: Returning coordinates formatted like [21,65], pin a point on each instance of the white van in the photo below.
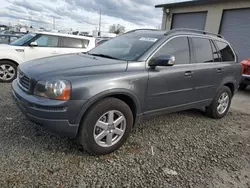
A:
[38,45]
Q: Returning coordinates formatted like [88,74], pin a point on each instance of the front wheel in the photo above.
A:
[106,126]
[8,71]
[221,103]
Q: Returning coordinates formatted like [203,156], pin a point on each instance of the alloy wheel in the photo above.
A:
[109,128]
[223,103]
[7,72]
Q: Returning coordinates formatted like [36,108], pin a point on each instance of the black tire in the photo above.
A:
[86,132]
[8,64]
[212,111]
[242,86]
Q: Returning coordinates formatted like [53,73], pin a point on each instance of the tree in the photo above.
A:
[117,29]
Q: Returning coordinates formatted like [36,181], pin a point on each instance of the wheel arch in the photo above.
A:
[125,95]
[6,59]
[231,86]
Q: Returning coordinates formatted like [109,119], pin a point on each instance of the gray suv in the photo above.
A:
[99,96]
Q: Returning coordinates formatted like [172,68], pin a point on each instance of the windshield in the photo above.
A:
[128,47]
[21,41]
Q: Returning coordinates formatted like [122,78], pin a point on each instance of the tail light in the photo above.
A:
[245,66]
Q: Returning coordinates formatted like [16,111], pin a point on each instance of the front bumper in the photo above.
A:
[245,79]
[57,116]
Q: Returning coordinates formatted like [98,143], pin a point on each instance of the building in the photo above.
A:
[229,18]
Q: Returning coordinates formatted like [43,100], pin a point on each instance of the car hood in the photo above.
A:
[70,66]
[10,47]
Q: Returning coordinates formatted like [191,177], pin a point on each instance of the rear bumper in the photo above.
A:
[54,115]
[245,79]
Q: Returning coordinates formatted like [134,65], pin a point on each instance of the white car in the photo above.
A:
[38,45]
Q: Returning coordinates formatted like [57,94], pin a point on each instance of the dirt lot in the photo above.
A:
[183,149]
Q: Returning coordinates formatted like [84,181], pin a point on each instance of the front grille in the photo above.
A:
[23,80]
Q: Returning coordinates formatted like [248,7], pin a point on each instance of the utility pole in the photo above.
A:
[54,23]
[100,20]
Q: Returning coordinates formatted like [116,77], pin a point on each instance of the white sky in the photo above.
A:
[82,15]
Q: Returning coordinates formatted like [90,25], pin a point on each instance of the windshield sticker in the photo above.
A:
[148,39]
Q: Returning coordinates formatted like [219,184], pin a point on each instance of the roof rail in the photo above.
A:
[194,31]
[142,30]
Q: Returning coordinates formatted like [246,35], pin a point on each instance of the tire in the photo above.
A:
[89,131]
[8,71]
[212,109]
[242,86]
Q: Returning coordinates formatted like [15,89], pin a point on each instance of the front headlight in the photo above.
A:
[59,89]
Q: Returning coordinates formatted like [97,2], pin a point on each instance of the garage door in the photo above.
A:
[235,27]
[194,20]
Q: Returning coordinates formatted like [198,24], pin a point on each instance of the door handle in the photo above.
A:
[189,73]
[219,70]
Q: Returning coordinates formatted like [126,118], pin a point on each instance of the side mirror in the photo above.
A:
[163,60]
[32,44]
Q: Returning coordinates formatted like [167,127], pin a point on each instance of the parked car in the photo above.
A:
[9,38]
[39,45]
[99,96]
[245,74]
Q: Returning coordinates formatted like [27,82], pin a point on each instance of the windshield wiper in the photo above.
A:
[103,55]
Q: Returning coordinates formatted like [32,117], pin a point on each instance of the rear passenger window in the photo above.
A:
[216,54]
[74,43]
[202,50]
[177,47]
[225,51]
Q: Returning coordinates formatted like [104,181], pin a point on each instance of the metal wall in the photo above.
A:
[214,13]
[235,27]
[196,20]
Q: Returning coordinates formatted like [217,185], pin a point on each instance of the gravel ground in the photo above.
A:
[183,149]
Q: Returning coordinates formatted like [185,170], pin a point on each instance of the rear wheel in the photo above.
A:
[8,71]
[106,126]
[242,86]
[221,103]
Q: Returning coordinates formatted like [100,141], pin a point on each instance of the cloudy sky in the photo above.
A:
[82,14]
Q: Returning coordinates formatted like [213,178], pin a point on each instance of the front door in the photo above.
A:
[170,87]
[47,45]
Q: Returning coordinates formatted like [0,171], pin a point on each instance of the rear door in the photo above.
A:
[70,45]
[209,68]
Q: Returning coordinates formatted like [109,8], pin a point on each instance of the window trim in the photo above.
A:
[235,56]
[165,42]
[61,39]
[187,35]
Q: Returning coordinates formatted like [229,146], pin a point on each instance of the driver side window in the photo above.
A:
[178,47]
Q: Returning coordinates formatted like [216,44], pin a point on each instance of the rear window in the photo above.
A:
[74,43]
[225,51]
